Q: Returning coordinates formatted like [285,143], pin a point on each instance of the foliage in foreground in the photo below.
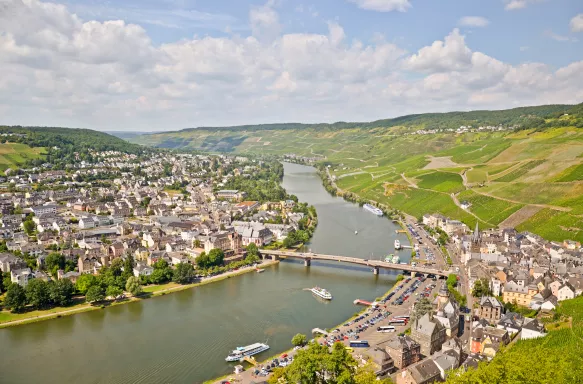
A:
[319,365]
[554,359]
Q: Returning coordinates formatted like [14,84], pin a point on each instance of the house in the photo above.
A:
[73,275]
[382,361]
[492,340]
[141,269]
[514,293]
[424,372]
[549,304]
[246,206]
[21,276]
[511,322]
[532,329]
[565,292]
[403,350]
[88,264]
[490,309]
[447,311]
[429,333]
[44,209]
[230,194]
[9,262]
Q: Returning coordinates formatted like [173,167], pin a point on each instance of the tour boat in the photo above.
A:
[321,292]
[396,259]
[389,259]
[356,232]
[249,350]
[372,209]
[397,244]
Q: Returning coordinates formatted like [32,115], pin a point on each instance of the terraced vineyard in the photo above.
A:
[535,171]
[13,155]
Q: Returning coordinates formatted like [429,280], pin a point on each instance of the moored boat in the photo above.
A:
[259,270]
[249,350]
[397,244]
[372,209]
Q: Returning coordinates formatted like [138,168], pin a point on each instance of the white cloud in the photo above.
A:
[576,23]
[383,5]
[519,4]
[58,69]
[473,21]
[557,37]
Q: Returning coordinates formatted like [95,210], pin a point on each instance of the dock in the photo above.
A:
[400,231]
[250,360]
[362,302]
[321,331]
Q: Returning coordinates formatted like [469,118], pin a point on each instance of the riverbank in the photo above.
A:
[8,319]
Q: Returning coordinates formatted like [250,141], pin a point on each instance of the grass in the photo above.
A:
[488,208]
[520,171]
[13,155]
[441,182]
[573,173]
[554,225]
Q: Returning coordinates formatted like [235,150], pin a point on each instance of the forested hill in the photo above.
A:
[72,138]
[526,117]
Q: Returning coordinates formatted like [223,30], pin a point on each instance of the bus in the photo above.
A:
[386,329]
[404,317]
[397,322]
[359,344]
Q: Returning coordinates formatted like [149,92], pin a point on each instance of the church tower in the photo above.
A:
[476,240]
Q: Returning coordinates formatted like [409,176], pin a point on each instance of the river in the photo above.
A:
[184,337]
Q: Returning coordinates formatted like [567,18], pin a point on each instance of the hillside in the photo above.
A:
[529,178]
[555,358]
[27,146]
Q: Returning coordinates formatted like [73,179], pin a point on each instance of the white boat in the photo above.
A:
[372,209]
[356,232]
[249,350]
[397,244]
[259,270]
[321,292]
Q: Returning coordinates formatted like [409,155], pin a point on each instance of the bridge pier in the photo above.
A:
[307,262]
[412,274]
[274,257]
[375,270]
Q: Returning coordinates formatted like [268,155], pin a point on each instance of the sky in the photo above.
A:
[155,65]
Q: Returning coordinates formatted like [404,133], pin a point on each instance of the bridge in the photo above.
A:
[374,264]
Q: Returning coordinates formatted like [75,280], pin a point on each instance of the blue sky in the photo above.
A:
[169,64]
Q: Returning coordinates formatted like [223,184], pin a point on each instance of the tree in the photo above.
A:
[61,292]
[422,307]
[133,286]
[95,294]
[15,298]
[197,244]
[37,293]
[253,254]
[84,282]
[54,262]
[29,226]
[400,277]
[113,291]
[162,272]
[299,340]
[216,256]
[481,288]
[183,274]
[452,280]
[6,281]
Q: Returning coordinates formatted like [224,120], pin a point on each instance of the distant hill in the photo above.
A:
[528,175]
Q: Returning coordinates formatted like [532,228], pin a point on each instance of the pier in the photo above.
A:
[320,331]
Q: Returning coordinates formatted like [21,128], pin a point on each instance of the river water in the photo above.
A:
[184,337]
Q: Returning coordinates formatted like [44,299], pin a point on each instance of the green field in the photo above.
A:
[554,225]
[489,209]
[441,182]
[573,173]
[13,155]
[519,172]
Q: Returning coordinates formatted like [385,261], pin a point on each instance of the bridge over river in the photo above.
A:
[374,264]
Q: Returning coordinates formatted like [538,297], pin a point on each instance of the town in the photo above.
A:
[147,222]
